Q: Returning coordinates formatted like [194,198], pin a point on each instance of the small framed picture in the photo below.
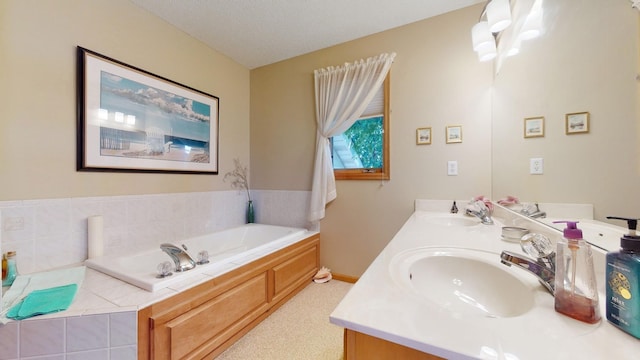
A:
[423,136]
[534,127]
[454,134]
[577,123]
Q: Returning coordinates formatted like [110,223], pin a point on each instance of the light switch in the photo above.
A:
[452,168]
[536,166]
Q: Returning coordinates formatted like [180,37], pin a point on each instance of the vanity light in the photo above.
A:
[515,48]
[498,15]
[482,36]
[487,53]
[489,35]
[532,25]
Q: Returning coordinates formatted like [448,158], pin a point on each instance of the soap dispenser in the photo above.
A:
[12,270]
[622,281]
[576,293]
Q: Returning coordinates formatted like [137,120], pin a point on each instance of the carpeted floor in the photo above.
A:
[298,330]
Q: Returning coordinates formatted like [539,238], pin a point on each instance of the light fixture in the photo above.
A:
[496,33]
[482,36]
[532,25]
[515,47]
[487,53]
[498,15]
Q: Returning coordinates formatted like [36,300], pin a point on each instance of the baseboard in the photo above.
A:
[345,278]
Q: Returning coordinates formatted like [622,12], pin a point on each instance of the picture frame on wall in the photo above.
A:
[534,127]
[454,134]
[423,136]
[577,123]
[130,120]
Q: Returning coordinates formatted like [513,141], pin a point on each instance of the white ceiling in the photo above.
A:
[261,32]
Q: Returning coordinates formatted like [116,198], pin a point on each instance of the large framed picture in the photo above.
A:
[132,120]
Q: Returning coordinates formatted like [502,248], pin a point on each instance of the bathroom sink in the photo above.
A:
[451,220]
[463,281]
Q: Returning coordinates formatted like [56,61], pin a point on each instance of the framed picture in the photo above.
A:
[454,134]
[534,127]
[134,121]
[577,123]
[423,136]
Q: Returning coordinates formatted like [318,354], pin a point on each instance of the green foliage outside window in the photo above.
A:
[366,138]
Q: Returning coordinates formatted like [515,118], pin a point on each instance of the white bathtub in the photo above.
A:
[226,248]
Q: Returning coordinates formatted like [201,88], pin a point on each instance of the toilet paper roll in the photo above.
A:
[95,241]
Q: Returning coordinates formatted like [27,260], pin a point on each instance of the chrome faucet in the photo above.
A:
[478,209]
[180,256]
[545,274]
[532,212]
[454,208]
[544,267]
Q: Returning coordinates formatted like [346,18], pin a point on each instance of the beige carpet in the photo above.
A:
[298,330]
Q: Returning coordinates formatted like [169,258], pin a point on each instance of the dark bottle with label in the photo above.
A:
[622,281]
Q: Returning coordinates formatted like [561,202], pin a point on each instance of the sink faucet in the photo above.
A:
[180,257]
[543,268]
[533,213]
[478,209]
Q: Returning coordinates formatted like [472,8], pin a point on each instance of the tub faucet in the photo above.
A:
[543,269]
[478,209]
[180,257]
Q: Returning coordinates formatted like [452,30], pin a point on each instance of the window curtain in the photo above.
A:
[342,95]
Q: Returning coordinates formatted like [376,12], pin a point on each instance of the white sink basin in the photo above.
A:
[451,220]
[463,281]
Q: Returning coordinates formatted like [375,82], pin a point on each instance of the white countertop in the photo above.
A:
[378,306]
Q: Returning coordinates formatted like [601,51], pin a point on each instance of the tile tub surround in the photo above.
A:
[104,336]
[104,296]
[51,233]
[378,307]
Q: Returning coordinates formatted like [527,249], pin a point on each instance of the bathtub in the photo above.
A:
[227,249]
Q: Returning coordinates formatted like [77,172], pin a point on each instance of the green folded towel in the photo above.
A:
[45,301]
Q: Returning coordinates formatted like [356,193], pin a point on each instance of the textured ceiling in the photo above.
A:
[260,32]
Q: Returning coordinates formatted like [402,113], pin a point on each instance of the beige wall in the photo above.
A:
[586,61]
[38,42]
[436,81]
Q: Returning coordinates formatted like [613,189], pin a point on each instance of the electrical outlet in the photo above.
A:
[536,166]
[452,168]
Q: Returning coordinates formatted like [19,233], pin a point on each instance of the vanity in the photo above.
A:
[438,290]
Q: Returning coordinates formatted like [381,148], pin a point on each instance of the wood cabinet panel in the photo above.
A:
[359,346]
[203,328]
[287,274]
[203,321]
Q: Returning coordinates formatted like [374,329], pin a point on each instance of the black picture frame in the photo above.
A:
[130,120]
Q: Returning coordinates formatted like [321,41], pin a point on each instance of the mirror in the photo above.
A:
[586,61]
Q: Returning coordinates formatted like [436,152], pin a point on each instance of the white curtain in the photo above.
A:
[342,95]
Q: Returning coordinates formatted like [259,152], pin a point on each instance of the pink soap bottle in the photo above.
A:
[576,293]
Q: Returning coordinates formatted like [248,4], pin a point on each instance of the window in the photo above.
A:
[362,151]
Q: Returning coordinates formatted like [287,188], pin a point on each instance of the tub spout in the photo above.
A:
[180,257]
[544,273]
